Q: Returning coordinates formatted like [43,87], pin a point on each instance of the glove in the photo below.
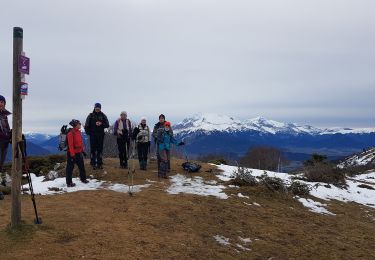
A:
[181,143]
[71,158]
[84,154]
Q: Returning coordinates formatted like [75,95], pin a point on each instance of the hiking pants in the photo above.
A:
[123,149]
[168,155]
[142,151]
[96,149]
[3,152]
[77,159]
[164,163]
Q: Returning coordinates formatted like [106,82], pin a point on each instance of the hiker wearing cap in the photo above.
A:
[159,125]
[142,136]
[165,140]
[95,124]
[123,130]
[75,153]
[5,134]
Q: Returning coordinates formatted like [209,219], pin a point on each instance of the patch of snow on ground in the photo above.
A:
[59,185]
[243,248]
[244,240]
[367,177]
[315,206]
[196,185]
[222,240]
[123,188]
[256,204]
[240,195]
[350,194]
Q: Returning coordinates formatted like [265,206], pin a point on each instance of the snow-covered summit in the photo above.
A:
[208,123]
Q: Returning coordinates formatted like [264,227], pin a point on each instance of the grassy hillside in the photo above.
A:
[153,224]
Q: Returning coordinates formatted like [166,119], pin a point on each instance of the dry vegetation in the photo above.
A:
[156,225]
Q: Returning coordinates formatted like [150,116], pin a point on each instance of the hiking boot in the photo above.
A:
[85,181]
[94,168]
[70,185]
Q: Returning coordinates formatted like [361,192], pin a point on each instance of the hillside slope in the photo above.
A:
[198,216]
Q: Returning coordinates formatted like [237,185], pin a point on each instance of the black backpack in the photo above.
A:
[63,140]
[191,166]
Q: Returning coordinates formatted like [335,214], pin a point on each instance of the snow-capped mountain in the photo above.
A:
[207,123]
[364,158]
[37,138]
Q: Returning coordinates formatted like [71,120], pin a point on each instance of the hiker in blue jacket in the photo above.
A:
[165,140]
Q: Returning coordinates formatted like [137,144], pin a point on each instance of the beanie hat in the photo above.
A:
[162,116]
[98,105]
[74,122]
[2,98]
[167,124]
[124,113]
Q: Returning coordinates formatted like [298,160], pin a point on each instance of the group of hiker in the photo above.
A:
[127,137]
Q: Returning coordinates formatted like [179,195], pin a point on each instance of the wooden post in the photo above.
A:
[17,129]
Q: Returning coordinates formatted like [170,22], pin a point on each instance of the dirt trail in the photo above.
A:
[156,225]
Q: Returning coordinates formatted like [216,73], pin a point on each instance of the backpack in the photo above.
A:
[191,166]
[63,140]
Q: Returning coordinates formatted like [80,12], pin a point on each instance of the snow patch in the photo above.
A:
[222,240]
[315,206]
[240,195]
[196,185]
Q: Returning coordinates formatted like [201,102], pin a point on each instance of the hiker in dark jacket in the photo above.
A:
[165,140]
[123,130]
[95,124]
[75,153]
[157,126]
[142,136]
[5,134]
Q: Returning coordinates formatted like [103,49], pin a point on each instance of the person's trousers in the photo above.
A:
[96,149]
[158,156]
[123,149]
[142,153]
[164,165]
[76,160]
[3,152]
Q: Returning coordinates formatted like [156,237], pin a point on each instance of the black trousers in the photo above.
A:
[96,149]
[123,151]
[76,160]
[3,152]
[142,151]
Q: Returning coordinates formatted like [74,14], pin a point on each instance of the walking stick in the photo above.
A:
[131,171]
[25,170]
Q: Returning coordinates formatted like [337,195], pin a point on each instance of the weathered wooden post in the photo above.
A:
[17,129]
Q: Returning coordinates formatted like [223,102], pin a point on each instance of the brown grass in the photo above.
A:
[155,225]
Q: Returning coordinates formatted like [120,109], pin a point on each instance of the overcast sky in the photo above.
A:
[299,61]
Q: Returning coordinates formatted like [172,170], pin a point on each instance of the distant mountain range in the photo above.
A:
[231,137]
[220,134]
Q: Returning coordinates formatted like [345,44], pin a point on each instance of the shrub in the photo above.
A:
[324,172]
[244,177]
[273,184]
[213,158]
[299,188]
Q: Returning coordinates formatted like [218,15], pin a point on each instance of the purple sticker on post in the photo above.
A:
[23,64]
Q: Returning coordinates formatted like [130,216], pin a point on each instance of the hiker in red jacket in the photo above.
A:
[75,153]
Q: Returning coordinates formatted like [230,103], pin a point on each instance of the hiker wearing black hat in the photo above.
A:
[5,134]
[160,125]
[75,153]
[123,131]
[95,124]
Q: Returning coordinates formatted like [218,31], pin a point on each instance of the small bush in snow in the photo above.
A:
[273,183]
[299,188]
[322,172]
[244,177]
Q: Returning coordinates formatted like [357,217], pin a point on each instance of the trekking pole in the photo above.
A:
[26,170]
[131,171]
